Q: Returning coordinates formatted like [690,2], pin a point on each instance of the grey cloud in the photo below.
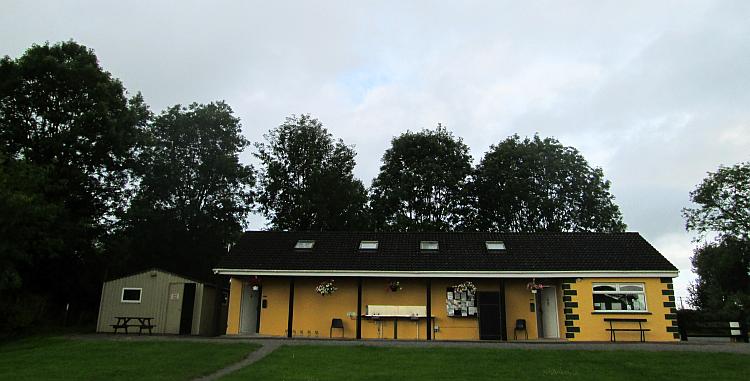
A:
[656,93]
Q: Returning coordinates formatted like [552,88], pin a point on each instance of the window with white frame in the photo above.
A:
[131,295]
[619,297]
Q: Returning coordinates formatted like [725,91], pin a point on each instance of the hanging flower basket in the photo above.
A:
[326,288]
[533,286]
[394,286]
[466,287]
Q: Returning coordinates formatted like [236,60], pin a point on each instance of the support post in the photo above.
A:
[503,321]
[291,308]
[429,309]
[359,308]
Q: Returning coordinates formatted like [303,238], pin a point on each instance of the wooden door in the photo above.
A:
[548,309]
[490,321]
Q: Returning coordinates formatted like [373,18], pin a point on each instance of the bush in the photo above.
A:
[21,310]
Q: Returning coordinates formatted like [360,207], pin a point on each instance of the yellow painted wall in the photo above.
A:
[517,306]
[593,327]
[375,291]
[453,327]
[235,298]
[313,312]
[274,318]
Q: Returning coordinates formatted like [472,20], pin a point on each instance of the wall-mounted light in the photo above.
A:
[256,288]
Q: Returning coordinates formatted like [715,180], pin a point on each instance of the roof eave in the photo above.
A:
[456,274]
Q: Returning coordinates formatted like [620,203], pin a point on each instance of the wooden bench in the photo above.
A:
[123,322]
[734,330]
[613,330]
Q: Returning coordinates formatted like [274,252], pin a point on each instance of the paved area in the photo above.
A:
[254,356]
[689,346]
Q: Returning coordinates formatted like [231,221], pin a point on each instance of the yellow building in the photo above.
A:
[450,286]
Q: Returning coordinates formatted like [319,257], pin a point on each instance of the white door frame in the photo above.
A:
[547,315]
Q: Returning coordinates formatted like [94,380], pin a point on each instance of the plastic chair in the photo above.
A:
[336,323]
[520,326]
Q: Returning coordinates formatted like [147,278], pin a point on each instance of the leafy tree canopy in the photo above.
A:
[194,194]
[68,132]
[723,200]
[28,221]
[534,185]
[422,183]
[306,180]
[723,270]
[59,108]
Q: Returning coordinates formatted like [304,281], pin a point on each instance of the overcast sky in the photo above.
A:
[655,93]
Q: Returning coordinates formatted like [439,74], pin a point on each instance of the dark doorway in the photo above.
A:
[490,320]
[186,316]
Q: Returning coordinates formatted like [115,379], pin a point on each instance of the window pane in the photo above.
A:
[428,245]
[619,302]
[631,287]
[368,245]
[131,295]
[495,245]
[605,287]
[304,244]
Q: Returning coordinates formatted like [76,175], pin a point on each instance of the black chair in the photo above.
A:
[336,323]
[520,326]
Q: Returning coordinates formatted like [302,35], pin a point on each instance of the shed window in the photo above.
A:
[428,245]
[495,245]
[368,245]
[304,244]
[131,295]
[619,297]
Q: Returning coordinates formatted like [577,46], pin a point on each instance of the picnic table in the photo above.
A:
[612,329]
[143,323]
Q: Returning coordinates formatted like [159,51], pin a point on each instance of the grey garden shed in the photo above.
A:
[174,304]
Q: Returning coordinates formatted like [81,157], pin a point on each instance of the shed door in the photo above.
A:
[186,316]
[174,309]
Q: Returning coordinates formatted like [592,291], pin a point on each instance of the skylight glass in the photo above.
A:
[495,245]
[428,245]
[368,245]
[304,244]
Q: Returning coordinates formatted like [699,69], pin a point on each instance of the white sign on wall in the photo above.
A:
[174,296]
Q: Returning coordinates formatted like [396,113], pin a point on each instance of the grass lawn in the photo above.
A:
[379,363]
[80,359]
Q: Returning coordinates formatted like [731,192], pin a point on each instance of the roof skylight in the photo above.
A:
[368,245]
[495,245]
[304,244]
[428,245]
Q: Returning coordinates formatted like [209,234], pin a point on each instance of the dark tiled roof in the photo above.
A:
[261,250]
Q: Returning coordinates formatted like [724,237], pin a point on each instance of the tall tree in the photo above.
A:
[306,179]
[723,283]
[194,194]
[723,200]
[67,134]
[422,183]
[534,184]
[723,266]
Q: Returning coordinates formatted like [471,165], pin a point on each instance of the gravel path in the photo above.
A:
[254,356]
[273,343]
